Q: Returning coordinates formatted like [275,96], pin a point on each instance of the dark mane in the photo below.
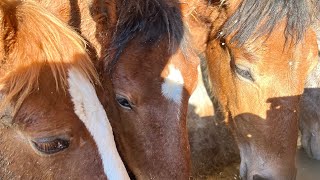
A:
[148,20]
[254,18]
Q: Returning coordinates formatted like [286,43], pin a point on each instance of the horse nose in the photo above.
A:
[260,177]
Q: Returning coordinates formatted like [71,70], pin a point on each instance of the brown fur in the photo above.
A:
[157,122]
[36,46]
[147,42]
[152,138]
[249,104]
[263,113]
[37,118]
[37,51]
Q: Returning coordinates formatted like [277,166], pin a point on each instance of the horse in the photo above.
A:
[259,54]
[51,120]
[143,46]
[154,73]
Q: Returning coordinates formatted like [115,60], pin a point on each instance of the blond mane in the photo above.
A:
[31,38]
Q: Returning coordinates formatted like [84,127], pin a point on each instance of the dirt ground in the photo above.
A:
[308,169]
[214,153]
[215,156]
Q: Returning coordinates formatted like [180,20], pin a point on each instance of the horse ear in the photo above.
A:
[8,14]
[8,22]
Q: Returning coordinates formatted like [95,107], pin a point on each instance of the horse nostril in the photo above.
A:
[259,177]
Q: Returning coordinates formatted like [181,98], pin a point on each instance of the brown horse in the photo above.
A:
[258,60]
[52,124]
[154,74]
[143,45]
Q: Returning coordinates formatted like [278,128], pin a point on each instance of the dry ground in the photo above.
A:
[213,150]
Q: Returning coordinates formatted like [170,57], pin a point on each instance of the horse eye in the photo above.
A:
[245,73]
[51,146]
[123,102]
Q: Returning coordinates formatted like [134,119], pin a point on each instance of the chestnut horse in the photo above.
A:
[52,124]
[143,45]
[259,54]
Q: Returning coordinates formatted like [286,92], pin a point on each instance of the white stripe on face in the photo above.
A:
[91,112]
[172,86]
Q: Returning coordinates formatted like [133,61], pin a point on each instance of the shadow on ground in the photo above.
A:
[214,153]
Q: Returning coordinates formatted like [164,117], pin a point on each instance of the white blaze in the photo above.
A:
[91,112]
[172,86]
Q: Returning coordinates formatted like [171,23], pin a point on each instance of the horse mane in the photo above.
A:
[31,38]
[148,20]
[254,18]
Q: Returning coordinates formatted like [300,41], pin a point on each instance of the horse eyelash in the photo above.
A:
[244,73]
[236,69]
[51,147]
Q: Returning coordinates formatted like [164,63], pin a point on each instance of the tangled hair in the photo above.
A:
[31,38]
[254,18]
[148,20]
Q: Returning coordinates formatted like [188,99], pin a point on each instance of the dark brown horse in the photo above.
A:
[259,54]
[52,124]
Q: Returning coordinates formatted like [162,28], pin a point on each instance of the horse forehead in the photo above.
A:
[279,52]
[173,73]
[173,84]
